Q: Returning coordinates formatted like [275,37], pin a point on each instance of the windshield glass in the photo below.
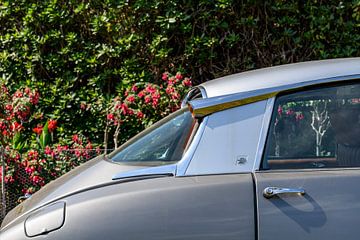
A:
[162,143]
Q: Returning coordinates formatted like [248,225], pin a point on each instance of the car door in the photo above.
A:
[308,184]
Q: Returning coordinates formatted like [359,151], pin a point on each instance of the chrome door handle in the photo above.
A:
[269,192]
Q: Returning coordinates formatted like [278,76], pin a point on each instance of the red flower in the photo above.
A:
[172,80]
[17,127]
[52,125]
[147,99]
[76,139]
[9,107]
[34,98]
[139,114]
[130,99]
[280,110]
[141,94]
[164,76]
[18,94]
[299,116]
[290,112]
[150,89]
[187,82]
[179,76]
[134,88]
[110,117]
[38,129]
[124,109]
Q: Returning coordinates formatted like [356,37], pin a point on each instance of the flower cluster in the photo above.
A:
[32,159]
[15,110]
[145,103]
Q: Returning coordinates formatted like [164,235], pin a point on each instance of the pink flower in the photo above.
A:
[76,139]
[134,88]
[179,76]
[18,94]
[165,76]
[280,110]
[147,99]
[139,115]
[34,98]
[124,109]
[110,117]
[9,107]
[141,94]
[83,106]
[150,89]
[299,116]
[172,80]
[130,99]
[187,82]
[290,112]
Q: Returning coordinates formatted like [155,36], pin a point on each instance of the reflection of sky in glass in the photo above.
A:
[160,143]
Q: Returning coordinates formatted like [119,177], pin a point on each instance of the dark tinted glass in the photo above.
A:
[315,129]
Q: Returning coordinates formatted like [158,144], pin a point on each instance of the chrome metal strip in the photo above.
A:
[188,95]
[184,163]
[204,107]
[263,134]
[169,170]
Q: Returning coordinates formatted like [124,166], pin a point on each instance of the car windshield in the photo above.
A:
[162,143]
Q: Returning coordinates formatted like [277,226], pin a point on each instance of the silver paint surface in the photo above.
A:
[282,75]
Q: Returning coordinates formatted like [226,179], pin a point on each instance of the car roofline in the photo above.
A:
[207,106]
[286,74]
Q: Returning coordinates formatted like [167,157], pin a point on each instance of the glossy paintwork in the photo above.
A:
[229,142]
[278,76]
[206,207]
[95,172]
[330,208]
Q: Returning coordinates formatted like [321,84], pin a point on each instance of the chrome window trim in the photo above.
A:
[186,99]
[166,170]
[184,163]
[264,132]
[204,107]
[177,169]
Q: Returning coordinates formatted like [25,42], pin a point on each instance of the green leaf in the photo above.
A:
[44,139]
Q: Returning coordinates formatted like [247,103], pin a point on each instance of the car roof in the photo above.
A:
[280,76]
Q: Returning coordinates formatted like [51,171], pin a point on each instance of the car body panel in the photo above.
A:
[205,207]
[278,76]
[330,208]
[94,172]
[230,141]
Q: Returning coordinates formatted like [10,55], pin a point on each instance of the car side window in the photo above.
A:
[316,128]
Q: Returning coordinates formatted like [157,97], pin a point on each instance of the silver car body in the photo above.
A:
[216,190]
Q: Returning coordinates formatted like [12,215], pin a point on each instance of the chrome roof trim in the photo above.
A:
[188,96]
[264,133]
[168,170]
[184,163]
[204,107]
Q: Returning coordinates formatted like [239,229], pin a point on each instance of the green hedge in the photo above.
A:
[83,53]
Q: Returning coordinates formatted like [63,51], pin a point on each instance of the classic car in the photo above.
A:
[266,154]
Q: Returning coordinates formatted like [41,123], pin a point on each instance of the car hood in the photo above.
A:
[93,173]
